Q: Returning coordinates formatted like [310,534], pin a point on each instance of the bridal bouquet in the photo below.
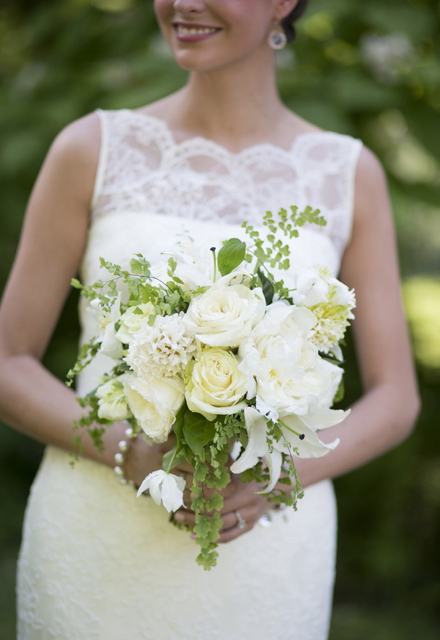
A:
[226,355]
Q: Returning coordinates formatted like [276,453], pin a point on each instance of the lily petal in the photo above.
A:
[257,444]
[273,461]
[310,446]
[324,418]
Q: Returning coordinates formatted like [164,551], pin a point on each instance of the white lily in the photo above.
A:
[299,431]
[304,438]
[110,345]
[165,488]
[194,264]
[258,448]
[257,444]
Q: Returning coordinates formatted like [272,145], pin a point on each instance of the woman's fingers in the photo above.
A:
[235,523]
[241,510]
[183,466]
[185,517]
[234,532]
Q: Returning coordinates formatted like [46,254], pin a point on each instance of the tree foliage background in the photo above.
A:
[368,68]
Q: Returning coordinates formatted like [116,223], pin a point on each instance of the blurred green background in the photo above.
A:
[369,68]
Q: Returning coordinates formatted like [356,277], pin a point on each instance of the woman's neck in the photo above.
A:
[236,106]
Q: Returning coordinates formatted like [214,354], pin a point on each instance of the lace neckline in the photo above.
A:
[219,148]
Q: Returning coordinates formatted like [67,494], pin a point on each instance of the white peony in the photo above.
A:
[283,368]
[131,321]
[162,350]
[216,385]
[224,315]
[112,401]
[154,403]
[332,303]
[165,488]
[110,346]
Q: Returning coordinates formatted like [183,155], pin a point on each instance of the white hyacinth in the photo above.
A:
[162,350]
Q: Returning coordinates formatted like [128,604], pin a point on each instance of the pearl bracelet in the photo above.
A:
[123,447]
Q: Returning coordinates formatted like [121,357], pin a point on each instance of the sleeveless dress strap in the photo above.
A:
[103,154]
[355,150]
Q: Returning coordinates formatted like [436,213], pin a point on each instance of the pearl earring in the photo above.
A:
[277,38]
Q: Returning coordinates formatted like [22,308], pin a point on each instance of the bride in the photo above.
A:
[96,562]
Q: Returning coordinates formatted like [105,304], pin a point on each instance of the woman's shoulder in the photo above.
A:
[74,155]
[80,139]
[313,136]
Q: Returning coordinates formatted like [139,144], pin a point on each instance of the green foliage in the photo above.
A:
[231,255]
[269,252]
[85,356]
[205,445]
[198,432]
[89,421]
[339,395]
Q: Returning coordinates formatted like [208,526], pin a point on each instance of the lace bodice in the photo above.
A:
[141,167]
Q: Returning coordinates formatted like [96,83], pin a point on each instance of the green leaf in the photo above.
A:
[140,266]
[169,462]
[178,423]
[340,392]
[231,255]
[267,287]
[76,284]
[214,503]
[197,431]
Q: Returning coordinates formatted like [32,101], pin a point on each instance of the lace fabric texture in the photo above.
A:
[143,168]
[96,562]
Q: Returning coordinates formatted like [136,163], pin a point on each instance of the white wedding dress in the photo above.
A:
[97,562]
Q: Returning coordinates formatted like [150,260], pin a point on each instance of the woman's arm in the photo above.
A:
[386,413]
[389,407]
[50,251]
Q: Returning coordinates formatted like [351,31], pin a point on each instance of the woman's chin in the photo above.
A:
[198,61]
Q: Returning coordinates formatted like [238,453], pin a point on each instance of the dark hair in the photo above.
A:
[288,23]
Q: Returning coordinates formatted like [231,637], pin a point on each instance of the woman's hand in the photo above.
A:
[142,459]
[239,498]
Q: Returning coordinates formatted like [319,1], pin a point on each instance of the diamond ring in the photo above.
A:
[241,523]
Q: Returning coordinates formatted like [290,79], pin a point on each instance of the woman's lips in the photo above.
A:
[194,32]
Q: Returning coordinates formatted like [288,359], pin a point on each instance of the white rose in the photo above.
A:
[224,315]
[130,321]
[283,367]
[216,386]
[154,403]
[164,487]
[112,401]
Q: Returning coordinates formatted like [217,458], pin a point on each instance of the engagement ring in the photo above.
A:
[241,523]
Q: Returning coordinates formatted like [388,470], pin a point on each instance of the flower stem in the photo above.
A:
[301,436]
[172,460]
[214,257]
